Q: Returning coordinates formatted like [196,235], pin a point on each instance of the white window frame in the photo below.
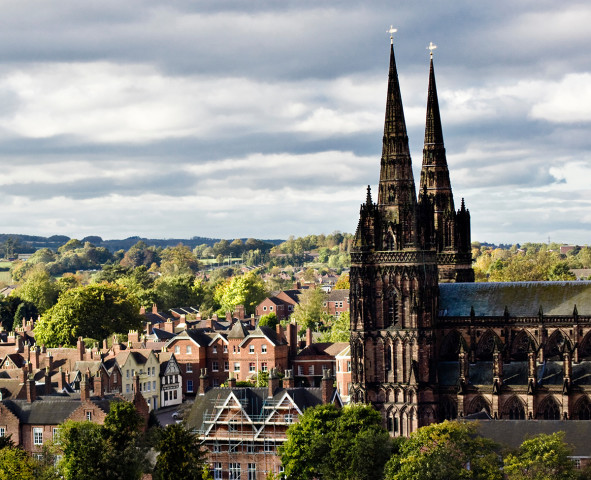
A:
[37,435]
[177,350]
[215,366]
[234,471]
[264,348]
[251,350]
[189,368]
[189,385]
[217,471]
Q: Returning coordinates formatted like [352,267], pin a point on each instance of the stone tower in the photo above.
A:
[451,229]
[394,281]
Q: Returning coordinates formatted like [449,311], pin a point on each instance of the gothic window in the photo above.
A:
[450,347]
[549,410]
[478,405]
[585,348]
[486,345]
[390,315]
[388,359]
[447,409]
[520,346]
[553,350]
[582,410]
[514,409]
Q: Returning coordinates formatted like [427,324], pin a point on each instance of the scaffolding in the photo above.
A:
[246,432]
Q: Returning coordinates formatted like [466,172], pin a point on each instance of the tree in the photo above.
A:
[94,311]
[25,310]
[269,320]
[178,260]
[443,451]
[309,312]
[248,290]
[543,457]
[344,444]
[343,282]
[15,463]
[70,245]
[339,329]
[177,291]
[39,288]
[112,451]
[180,455]
[82,446]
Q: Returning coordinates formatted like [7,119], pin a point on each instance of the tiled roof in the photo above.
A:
[340,295]
[520,298]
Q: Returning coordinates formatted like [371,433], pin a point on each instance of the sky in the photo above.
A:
[226,119]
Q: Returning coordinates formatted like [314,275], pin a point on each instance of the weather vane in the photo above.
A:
[392,31]
[431,47]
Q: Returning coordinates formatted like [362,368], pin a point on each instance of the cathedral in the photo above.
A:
[427,342]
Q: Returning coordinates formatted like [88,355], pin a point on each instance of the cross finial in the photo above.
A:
[431,47]
[392,31]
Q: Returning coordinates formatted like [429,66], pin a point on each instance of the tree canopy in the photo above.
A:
[309,312]
[444,451]
[179,454]
[248,290]
[93,311]
[341,444]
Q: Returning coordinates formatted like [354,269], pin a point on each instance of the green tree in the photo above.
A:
[310,310]
[113,451]
[178,260]
[179,454]
[94,311]
[346,444]
[177,291]
[140,254]
[70,245]
[39,288]
[443,451]
[15,463]
[269,320]
[25,310]
[343,282]
[543,457]
[340,329]
[82,446]
[248,290]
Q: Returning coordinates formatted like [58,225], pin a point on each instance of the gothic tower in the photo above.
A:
[394,285]
[451,229]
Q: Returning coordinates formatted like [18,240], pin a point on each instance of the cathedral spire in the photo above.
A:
[396,193]
[433,131]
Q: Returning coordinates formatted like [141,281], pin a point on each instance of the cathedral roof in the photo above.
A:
[522,299]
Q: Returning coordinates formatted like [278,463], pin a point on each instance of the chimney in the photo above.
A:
[136,384]
[214,317]
[154,309]
[240,312]
[253,320]
[273,382]
[292,339]
[35,358]
[203,381]
[279,332]
[169,326]
[288,380]
[27,353]
[133,336]
[49,361]
[198,316]
[231,381]
[31,389]
[47,382]
[326,386]
[84,388]
[24,374]
[105,345]
[19,344]
[30,367]
[61,380]
[99,383]
[149,328]
[308,337]
[80,347]
[228,316]
[142,310]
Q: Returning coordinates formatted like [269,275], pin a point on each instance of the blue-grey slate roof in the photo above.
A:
[520,298]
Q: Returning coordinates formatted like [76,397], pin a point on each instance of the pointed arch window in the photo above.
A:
[514,409]
[447,409]
[583,410]
[549,410]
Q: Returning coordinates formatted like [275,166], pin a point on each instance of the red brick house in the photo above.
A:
[311,362]
[33,420]
[241,428]
[337,302]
